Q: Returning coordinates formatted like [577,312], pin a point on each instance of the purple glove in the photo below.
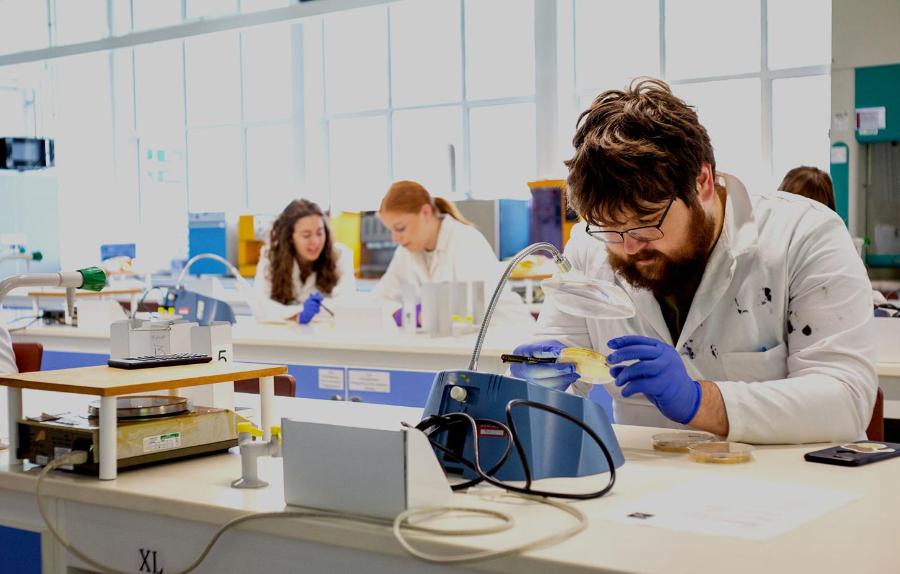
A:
[398,316]
[659,373]
[552,375]
[311,308]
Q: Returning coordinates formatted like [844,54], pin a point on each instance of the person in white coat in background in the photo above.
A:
[301,265]
[435,243]
[754,314]
[7,365]
[7,356]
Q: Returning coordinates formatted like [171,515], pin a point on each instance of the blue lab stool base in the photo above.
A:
[554,446]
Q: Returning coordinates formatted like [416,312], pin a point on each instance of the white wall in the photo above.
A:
[863,33]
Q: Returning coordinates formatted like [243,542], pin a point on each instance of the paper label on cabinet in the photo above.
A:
[370,381]
[331,379]
[838,154]
[870,120]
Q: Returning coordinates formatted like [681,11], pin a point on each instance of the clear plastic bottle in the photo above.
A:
[409,300]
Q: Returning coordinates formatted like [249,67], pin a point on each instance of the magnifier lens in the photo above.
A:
[581,296]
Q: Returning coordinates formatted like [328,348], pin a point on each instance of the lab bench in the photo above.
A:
[377,367]
[160,517]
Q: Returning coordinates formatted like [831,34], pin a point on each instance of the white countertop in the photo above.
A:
[326,337]
[323,335]
[318,344]
[857,537]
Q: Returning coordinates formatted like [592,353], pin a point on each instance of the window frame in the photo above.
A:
[766,75]
[463,184]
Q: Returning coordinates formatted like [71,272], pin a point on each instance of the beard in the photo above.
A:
[677,273]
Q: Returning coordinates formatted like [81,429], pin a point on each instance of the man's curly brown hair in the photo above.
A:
[634,150]
[282,253]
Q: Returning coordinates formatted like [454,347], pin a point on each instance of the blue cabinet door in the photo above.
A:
[319,381]
[20,551]
[380,386]
[53,360]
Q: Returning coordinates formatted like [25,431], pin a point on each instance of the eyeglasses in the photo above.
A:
[645,233]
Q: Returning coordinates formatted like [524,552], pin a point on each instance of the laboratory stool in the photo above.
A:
[285,386]
[28,356]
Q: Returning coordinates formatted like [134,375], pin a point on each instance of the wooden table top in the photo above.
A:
[106,381]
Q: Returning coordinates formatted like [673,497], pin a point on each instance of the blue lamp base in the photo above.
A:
[553,446]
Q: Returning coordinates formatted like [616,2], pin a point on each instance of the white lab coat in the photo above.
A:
[461,254]
[273,310]
[7,357]
[781,322]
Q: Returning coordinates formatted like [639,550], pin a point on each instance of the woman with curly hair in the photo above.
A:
[301,264]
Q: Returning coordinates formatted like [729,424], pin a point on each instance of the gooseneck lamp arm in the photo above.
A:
[558,258]
[231,268]
[244,287]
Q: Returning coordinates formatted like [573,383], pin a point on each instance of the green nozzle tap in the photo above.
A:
[94,278]
[37,256]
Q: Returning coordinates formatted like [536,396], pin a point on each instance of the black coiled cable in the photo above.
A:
[437,423]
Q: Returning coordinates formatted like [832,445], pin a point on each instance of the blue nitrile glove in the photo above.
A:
[553,375]
[659,373]
[311,308]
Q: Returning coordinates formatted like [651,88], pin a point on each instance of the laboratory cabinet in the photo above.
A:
[407,388]
[54,360]
[380,386]
[400,387]
[877,102]
[389,387]
[20,551]
[137,540]
[24,547]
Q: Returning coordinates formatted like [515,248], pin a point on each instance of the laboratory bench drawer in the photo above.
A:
[389,387]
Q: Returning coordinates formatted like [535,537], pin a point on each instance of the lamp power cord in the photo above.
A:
[410,520]
[436,424]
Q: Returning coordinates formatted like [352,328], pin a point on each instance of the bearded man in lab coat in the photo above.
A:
[752,311]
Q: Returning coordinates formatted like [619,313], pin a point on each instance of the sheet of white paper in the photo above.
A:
[737,508]
[840,121]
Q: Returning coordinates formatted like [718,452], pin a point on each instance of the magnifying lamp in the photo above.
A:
[556,434]
[572,292]
[575,294]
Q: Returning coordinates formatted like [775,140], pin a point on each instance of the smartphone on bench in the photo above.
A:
[855,453]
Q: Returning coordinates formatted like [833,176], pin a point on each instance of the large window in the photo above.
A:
[425,91]
[23,26]
[451,93]
[756,71]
